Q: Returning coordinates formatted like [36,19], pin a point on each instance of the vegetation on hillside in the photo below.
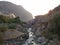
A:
[8,23]
[53,30]
[3,28]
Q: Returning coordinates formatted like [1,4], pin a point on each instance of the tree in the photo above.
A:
[1,18]
[54,27]
[4,19]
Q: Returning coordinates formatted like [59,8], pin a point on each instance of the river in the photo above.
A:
[31,40]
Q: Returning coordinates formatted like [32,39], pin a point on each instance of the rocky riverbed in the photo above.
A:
[33,40]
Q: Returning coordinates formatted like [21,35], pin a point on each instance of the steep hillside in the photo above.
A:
[8,7]
[41,22]
[57,8]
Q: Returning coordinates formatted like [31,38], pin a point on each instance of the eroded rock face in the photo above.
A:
[39,24]
[8,7]
[43,21]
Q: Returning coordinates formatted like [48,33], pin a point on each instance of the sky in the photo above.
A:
[37,7]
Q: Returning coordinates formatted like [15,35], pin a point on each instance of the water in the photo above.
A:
[30,41]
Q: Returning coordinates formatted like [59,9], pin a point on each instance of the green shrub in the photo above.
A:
[12,26]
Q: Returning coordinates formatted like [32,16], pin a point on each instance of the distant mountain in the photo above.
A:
[8,7]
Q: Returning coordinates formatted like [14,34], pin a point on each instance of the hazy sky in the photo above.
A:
[37,7]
